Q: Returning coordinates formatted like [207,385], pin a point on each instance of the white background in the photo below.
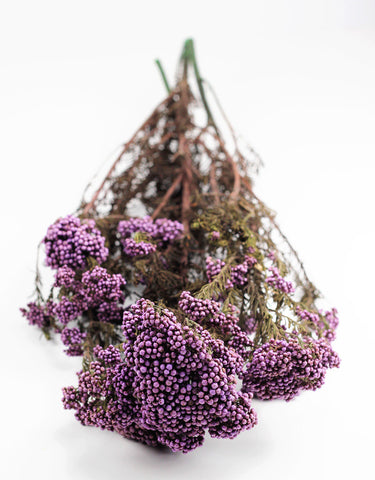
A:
[297,80]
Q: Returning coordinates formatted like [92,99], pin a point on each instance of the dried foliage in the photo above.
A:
[178,167]
[174,167]
[173,280]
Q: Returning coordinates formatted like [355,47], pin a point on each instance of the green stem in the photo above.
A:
[188,55]
[163,75]
[184,62]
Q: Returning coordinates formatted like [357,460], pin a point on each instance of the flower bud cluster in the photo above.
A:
[127,228]
[238,273]
[70,242]
[110,313]
[137,249]
[332,321]
[170,386]
[109,356]
[213,267]
[161,231]
[67,310]
[209,314]
[282,368]
[97,289]
[36,314]
[99,285]
[73,338]
[167,230]
[279,282]
[326,323]
[64,277]
[306,315]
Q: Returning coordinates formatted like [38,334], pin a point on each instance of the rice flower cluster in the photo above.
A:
[168,385]
[170,375]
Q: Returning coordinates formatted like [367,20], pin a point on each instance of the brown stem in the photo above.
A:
[88,207]
[186,181]
[166,137]
[233,197]
[213,183]
[167,196]
[213,180]
[202,132]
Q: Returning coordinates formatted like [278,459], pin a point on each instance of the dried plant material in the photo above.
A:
[172,308]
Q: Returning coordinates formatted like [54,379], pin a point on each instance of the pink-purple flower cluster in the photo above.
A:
[332,321]
[70,242]
[73,339]
[110,312]
[167,230]
[36,314]
[133,248]
[209,314]
[213,267]
[169,387]
[279,282]
[67,310]
[199,310]
[238,273]
[99,286]
[161,231]
[97,289]
[306,315]
[327,322]
[64,277]
[127,228]
[282,368]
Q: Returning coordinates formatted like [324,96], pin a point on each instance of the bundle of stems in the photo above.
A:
[204,257]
